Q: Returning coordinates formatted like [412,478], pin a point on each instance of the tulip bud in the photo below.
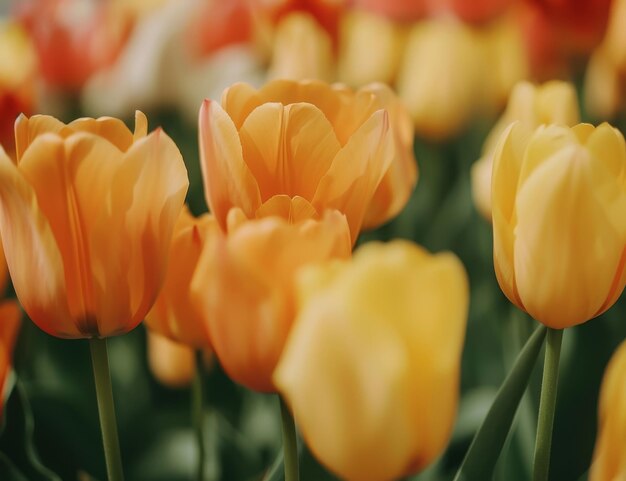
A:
[371,368]
[173,364]
[609,457]
[559,228]
[553,102]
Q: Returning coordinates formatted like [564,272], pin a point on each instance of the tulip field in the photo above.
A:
[317,240]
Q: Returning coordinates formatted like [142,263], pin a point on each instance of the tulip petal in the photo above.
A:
[27,129]
[293,209]
[356,171]
[607,145]
[239,100]
[288,148]
[228,181]
[112,129]
[576,229]
[144,200]
[31,248]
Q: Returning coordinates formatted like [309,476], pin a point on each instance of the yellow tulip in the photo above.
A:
[371,368]
[173,364]
[87,214]
[244,285]
[603,86]
[609,458]
[302,49]
[300,147]
[174,315]
[10,320]
[440,77]
[531,105]
[559,229]
[615,36]
[370,48]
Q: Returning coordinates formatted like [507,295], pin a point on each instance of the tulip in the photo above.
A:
[302,49]
[295,147]
[371,368]
[440,77]
[554,102]
[10,320]
[397,10]
[609,458]
[17,78]
[88,211]
[174,315]
[603,86]
[244,284]
[477,11]
[173,364]
[370,48]
[559,228]
[615,35]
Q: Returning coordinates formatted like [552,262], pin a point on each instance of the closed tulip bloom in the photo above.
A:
[299,147]
[609,458]
[440,77]
[371,368]
[174,315]
[172,364]
[370,48]
[302,49]
[88,211]
[603,86]
[553,102]
[244,284]
[559,228]
[10,320]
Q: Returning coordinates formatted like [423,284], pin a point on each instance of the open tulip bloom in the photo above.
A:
[88,210]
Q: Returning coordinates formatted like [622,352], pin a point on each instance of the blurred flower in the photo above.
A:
[295,148]
[615,36]
[440,77]
[609,458]
[476,11]
[603,90]
[244,285]
[160,67]
[559,223]
[10,320]
[370,48]
[327,13]
[302,49]
[173,314]
[173,364]
[397,10]
[554,102]
[17,78]
[87,217]
[371,368]
[74,38]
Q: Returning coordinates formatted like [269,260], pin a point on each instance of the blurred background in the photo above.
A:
[453,63]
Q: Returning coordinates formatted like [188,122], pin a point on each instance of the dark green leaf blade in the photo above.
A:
[484,451]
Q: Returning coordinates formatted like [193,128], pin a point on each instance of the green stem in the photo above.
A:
[290,443]
[106,409]
[198,414]
[547,404]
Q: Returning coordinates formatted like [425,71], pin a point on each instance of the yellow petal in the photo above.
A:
[31,250]
[609,459]
[293,209]
[141,125]
[228,181]
[238,101]
[288,148]
[27,129]
[112,129]
[356,172]
[567,246]
[607,145]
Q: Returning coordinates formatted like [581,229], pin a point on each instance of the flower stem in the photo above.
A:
[547,404]
[197,414]
[290,443]
[106,409]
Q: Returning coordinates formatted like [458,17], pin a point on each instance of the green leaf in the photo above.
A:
[484,451]
[17,439]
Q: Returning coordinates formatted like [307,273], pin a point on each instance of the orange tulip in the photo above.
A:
[173,314]
[609,457]
[87,214]
[398,10]
[304,144]
[244,284]
[10,320]
[171,363]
